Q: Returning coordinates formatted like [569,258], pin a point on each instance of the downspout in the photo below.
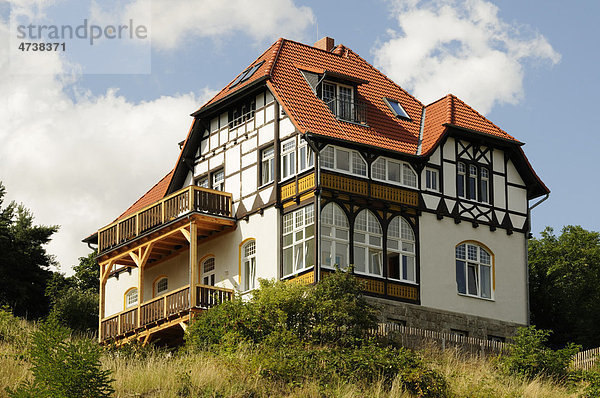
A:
[420,142]
[528,234]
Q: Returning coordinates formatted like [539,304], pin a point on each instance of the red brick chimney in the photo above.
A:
[326,43]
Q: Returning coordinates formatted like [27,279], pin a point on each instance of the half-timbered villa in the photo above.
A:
[310,159]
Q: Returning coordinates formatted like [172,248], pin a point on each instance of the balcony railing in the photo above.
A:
[161,309]
[180,203]
[348,110]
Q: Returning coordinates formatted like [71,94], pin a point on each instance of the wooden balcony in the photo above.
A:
[162,312]
[186,201]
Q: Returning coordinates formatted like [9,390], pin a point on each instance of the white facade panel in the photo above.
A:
[232,159]
[265,194]
[498,157]
[517,221]
[435,157]
[249,178]
[224,119]
[286,128]
[439,239]
[431,201]
[214,141]
[449,149]
[249,159]
[114,299]
[517,199]
[223,136]
[449,179]
[216,161]
[513,175]
[266,134]
[249,145]
[232,185]
[269,113]
[204,146]
[259,116]
[201,167]
[499,192]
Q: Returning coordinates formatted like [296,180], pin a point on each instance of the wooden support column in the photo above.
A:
[104,272]
[193,262]
[140,293]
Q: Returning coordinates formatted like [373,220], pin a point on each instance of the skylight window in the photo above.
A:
[247,74]
[396,108]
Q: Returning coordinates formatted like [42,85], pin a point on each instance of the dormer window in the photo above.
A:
[341,101]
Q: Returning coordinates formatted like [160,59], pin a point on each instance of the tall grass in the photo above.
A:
[159,373]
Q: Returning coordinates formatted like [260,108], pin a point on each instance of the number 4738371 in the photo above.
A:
[24,46]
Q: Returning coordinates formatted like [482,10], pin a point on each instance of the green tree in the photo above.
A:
[24,262]
[565,285]
[64,367]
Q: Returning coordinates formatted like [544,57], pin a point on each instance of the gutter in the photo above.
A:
[528,234]
[539,202]
[420,143]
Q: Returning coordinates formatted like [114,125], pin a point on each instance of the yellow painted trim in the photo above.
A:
[475,242]
[156,281]
[240,258]
[202,260]
[125,298]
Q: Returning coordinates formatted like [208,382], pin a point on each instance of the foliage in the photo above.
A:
[63,367]
[77,309]
[564,280]
[529,356]
[331,312]
[24,262]
[593,388]
[12,330]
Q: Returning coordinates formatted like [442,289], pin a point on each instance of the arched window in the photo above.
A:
[335,236]
[208,271]
[131,298]
[368,238]
[161,285]
[401,250]
[249,265]
[474,276]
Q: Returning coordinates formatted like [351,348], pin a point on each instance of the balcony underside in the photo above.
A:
[165,240]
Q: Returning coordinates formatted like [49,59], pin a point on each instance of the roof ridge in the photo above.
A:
[280,41]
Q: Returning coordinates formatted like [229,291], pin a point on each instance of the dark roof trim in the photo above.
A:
[494,137]
[237,93]
[337,75]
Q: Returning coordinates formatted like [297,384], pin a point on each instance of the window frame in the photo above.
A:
[267,163]
[352,154]
[403,253]
[333,239]
[249,274]
[126,301]
[290,153]
[209,275]
[216,185]
[402,167]
[478,265]
[305,241]
[470,178]
[156,283]
[367,245]
[432,174]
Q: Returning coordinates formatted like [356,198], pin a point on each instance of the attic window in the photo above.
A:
[396,108]
[247,74]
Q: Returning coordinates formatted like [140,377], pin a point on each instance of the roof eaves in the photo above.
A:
[487,135]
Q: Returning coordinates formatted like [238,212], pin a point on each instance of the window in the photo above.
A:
[208,271]
[242,112]
[249,265]
[368,239]
[298,240]
[306,157]
[473,270]
[335,236]
[339,99]
[345,160]
[202,182]
[161,286]
[394,171]
[267,165]
[218,180]
[396,108]
[473,185]
[131,298]
[431,179]
[288,158]
[401,250]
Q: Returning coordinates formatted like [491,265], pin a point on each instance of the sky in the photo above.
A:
[86,131]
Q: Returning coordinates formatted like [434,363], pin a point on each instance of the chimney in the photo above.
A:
[326,43]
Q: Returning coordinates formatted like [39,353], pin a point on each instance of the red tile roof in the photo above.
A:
[284,60]
[156,193]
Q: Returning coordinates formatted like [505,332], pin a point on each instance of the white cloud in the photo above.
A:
[460,47]
[176,22]
[80,162]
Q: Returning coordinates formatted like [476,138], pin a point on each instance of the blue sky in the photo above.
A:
[79,148]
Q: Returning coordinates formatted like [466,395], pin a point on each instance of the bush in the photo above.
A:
[77,309]
[529,356]
[593,388]
[64,367]
[331,312]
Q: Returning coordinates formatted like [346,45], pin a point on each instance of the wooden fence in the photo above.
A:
[416,338]
[586,360]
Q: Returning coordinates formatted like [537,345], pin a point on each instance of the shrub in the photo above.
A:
[528,355]
[593,388]
[64,367]
[77,309]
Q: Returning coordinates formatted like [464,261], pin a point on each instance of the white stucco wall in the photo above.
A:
[115,289]
[438,279]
